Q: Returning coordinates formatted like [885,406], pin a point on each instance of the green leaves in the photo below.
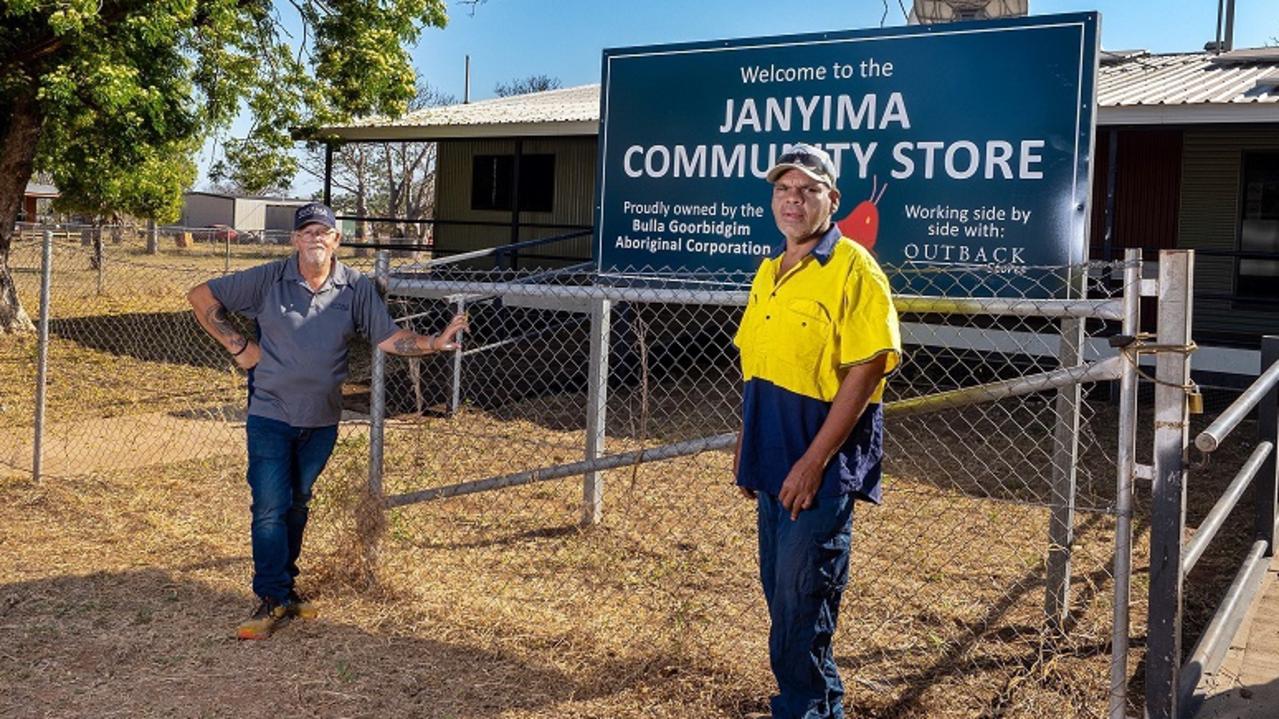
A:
[129,91]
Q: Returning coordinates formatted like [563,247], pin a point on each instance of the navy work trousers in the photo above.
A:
[803,566]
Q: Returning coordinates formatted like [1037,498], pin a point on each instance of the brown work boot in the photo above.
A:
[269,616]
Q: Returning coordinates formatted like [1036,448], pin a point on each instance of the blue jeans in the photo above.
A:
[803,565]
[284,462]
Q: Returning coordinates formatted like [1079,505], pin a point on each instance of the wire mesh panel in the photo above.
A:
[133,380]
[652,607]
[945,613]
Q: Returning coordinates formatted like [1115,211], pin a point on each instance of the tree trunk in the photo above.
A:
[18,135]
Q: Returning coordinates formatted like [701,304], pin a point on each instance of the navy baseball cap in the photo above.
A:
[314,212]
[810,160]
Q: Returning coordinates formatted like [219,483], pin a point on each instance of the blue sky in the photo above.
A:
[563,38]
[510,39]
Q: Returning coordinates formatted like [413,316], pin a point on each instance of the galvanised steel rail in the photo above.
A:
[1104,370]
[407,285]
[1224,506]
[1211,438]
[1259,469]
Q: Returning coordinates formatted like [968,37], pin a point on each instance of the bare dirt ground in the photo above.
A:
[131,442]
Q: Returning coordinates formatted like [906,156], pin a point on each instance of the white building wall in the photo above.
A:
[250,215]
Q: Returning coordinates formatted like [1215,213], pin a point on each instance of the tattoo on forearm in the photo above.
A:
[217,318]
[407,346]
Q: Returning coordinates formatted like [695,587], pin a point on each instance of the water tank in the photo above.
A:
[928,12]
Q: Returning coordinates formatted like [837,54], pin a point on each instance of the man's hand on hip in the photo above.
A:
[249,358]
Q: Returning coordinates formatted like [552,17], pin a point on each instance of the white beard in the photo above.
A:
[315,256]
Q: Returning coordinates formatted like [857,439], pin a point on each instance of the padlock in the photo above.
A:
[1195,400]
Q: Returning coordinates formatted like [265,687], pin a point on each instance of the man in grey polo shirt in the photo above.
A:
[306,308]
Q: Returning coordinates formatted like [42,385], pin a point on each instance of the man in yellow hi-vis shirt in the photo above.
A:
[817,339]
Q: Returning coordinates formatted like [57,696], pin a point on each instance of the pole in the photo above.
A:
[328,174]
[1065,462]
[596,410]
[1216,46]
[1229,37]
[455,397]
[1167,511]
[377,393]
[1123,491]
[1112,171]
[42,359]
[98,254]
[1268,427]
[1061,524]
[513,261]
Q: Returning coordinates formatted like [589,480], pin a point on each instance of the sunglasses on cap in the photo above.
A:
[807,160]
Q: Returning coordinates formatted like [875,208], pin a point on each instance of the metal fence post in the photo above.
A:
[1124,464]
[1268,428]
[1065,462]
[596,409]
[99,254]
[377,392]
[455,396]
[42,358]
[153,237]
[1168,519]
[226,252]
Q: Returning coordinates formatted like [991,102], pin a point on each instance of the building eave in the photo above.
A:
[428,133]
[1204,114]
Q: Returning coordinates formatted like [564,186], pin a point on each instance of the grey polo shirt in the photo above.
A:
[303,335]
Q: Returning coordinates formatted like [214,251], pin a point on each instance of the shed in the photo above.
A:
[546,139]
[260,215]
[35,201]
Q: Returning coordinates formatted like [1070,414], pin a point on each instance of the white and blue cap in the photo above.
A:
[808,159]
[314,212]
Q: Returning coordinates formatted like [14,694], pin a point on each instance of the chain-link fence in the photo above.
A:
[982,586]
[133,380]
[955,608]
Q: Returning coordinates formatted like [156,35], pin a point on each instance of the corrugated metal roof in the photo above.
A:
[570,104]
[37,189]
[257,198]
[1185,79]
[1133,86]
[1250,54]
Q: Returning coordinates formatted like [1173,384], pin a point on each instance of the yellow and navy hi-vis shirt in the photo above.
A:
[799,334]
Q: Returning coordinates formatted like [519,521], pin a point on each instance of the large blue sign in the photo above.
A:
[957,144]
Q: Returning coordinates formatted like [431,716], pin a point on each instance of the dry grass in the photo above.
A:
[119,589]
[120,592]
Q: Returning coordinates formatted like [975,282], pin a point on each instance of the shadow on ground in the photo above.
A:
[147,643]
[172,337]
[143,643]
[1254,701]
